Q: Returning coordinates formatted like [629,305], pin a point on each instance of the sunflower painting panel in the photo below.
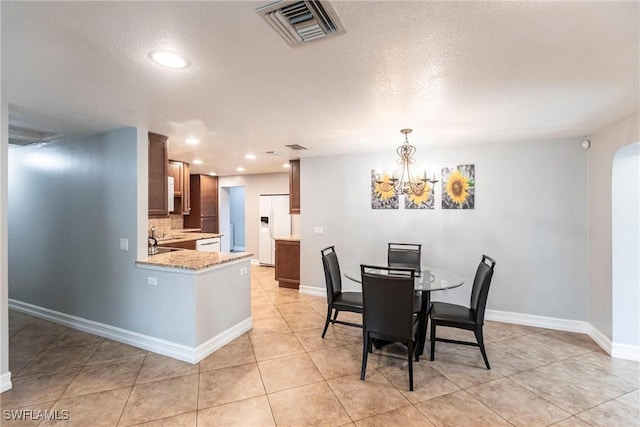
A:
[383,191]
[458,187]
[422,196]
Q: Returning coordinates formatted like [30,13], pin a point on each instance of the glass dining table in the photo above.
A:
[428,280]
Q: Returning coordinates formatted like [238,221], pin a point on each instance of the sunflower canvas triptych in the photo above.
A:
[458,190]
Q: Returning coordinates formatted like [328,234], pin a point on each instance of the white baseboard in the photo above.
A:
[626,351]
[538,321]
[255,262]
[5,382]
[601,339]
[619,351]
[222,339]
[146,342]
[312,290]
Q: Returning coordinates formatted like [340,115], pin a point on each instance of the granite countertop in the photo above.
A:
[193,260]
[292,238]
[185,236]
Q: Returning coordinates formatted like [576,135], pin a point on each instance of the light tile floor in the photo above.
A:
[282,373]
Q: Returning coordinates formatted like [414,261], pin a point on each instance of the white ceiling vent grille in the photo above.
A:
[296,147]
[299,22]
[24,136]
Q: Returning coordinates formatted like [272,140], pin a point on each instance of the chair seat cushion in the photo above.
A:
[349,299]
[452,313]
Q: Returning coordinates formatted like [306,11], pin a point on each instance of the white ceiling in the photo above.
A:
[457,73]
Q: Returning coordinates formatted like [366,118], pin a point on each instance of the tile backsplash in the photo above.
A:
[166,225]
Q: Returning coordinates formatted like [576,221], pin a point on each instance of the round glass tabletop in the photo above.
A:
[429,279]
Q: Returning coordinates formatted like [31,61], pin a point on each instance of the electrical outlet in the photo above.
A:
[243,271]
[318,230]
[152,281]
[124,244]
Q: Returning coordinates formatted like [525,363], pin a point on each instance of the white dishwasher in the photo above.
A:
[208,245]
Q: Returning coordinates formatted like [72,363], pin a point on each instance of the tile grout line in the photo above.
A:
[261,378]
[131,390]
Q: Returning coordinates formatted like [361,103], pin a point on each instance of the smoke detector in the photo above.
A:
[300,22]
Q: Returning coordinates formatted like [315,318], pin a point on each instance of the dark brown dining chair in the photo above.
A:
[336,299]
[405,255]
[409,255]
[470,318]
[388,311]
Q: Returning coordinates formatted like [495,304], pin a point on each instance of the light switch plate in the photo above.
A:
[243,271]
[318,230]
[152,281]
[124,244]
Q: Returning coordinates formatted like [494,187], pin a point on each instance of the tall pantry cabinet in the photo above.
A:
[204,204]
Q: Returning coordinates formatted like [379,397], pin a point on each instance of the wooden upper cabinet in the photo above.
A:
[186,189]
[175,171]
[294,187]
[208,195]
[181,184]
[204,204]
[158,175]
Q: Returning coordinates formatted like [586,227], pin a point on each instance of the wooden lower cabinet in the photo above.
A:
[191,244]
[288,263]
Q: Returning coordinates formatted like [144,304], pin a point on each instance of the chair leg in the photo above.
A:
[410,349]
[326,324]
[420,341]
[366,344]
[480,340]
[433,340]
[335,315]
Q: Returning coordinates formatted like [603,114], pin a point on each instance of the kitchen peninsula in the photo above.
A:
[202,300]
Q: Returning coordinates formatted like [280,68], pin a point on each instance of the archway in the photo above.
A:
[625,252]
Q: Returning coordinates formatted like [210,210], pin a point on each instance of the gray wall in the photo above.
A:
[626,246]
[70,203]
[530,215]
[4,312]
[604,145]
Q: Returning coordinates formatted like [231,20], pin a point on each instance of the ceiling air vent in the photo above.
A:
[300,22]
[23,136]
[296,147]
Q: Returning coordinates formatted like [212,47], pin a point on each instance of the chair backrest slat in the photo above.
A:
[331,272]
[387,300]
[480,290]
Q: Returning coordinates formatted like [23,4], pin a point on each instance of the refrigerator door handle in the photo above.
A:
[271,222]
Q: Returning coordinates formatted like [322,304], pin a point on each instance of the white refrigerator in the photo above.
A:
[275,221]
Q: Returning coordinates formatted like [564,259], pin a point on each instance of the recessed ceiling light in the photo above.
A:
[192,141]
[285,165]
[169,59]
[197,162]
[240,169]
[250,156]
[213,173]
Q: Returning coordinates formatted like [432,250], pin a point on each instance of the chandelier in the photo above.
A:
[408,183]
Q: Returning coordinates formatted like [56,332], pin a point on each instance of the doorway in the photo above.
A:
[232,218]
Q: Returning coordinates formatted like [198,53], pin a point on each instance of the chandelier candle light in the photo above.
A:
[408,183]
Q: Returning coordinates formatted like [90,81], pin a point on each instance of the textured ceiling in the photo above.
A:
[457,73]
